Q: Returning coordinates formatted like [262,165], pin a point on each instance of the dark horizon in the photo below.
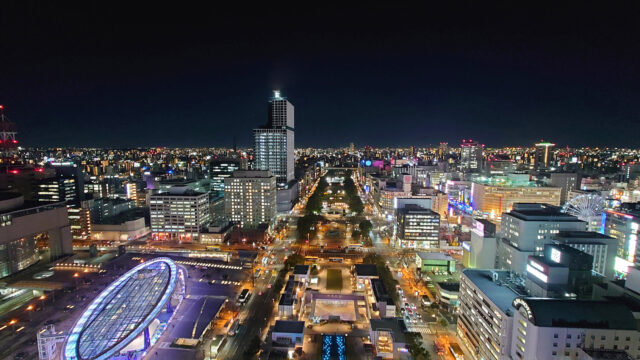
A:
[384,76]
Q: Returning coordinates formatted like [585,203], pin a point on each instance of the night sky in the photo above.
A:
[384,76]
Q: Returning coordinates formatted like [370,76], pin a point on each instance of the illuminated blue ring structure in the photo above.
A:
[71,347]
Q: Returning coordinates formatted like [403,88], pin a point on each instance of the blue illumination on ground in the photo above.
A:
[333,347]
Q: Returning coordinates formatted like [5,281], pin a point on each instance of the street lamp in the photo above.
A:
[29,310]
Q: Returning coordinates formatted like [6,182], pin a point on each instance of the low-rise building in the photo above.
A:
[287,334]
[383,302]
[364,272]
[388,337]
[435,262]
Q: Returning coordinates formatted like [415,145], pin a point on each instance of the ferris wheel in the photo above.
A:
[585,207]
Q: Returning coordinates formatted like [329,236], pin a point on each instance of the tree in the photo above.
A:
[366,226]
[444,323]
[414,344]
[355,234]
[253,348]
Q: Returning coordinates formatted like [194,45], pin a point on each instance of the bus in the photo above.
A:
[256,274]
[456,351]
[244,296]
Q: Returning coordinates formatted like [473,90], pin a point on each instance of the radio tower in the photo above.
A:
[8,142]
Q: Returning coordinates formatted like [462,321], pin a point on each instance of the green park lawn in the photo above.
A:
[334,279]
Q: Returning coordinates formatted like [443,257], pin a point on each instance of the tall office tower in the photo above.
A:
[624,225]
[527,228]
[566,182]
[443,150]
[57,189]
[471,156]
[274,143]
[250,197]
[8,142]
[418,227]
[352,148]
[543,156]
[179,214]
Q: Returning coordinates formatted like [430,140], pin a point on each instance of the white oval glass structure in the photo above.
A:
[122,311]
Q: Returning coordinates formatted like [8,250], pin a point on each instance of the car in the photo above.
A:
[21,355]
[49,322]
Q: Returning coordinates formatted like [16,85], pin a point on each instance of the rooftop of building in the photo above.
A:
[540,212]
[238,174]
[576,234]
[196,321]
[289,326]
[366,270]
[128,215]
[449,286]
[396,325]
[186,193]
[501,293]
[415,209]
[590,314]
[434,256]
[380,292]
[301,270]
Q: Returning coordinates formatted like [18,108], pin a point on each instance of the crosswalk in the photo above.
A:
[422,329]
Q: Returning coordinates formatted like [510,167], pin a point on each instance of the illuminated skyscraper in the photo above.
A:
[471,156]
[543,155]
[274,142]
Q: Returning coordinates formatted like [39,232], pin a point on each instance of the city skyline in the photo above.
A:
[503,76]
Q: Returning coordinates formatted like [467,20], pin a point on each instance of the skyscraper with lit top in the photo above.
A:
[274,142]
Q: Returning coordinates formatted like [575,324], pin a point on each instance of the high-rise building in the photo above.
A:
[527,228]
[498,320]
[219,169]
[543,156]
[624,225]
[57,189]
[566,182]
[471,156]
[418,227]
[485,316]
[603,248]
[179,215]
[480,252]
[496,198]
[22,223]
[443,150]
[250,197]
[8,142]
[274,143]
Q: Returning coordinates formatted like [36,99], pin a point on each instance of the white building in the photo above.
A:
[485,315]
[179,215]
[603,248]
[527,228]
[250,197]
[480,252]
[287,334]
[546,329]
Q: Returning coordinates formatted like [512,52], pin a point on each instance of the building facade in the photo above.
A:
[250,198]
[417,227]
[179,216]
